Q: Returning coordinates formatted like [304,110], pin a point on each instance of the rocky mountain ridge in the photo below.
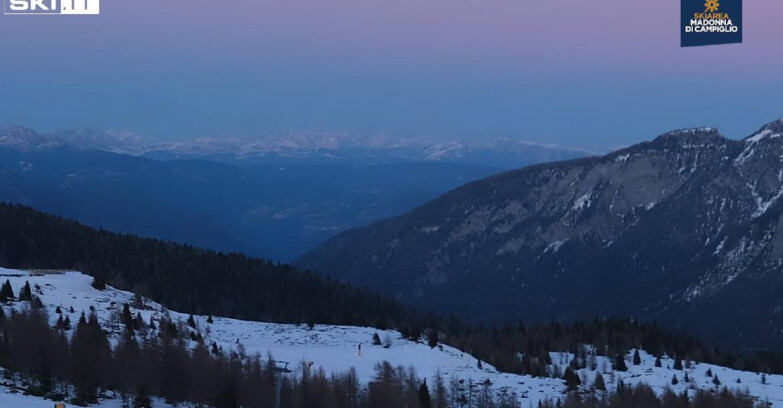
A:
[686,229]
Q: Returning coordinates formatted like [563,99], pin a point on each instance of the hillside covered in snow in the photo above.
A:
[339,349]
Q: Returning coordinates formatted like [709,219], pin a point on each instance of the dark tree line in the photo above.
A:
[44,362]
[615,337]
[191,279]
[642,396]
[86,367]
[200,281]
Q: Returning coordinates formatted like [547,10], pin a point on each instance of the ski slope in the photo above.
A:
[336,348]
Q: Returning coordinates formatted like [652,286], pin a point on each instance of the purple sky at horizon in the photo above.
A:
[589,74]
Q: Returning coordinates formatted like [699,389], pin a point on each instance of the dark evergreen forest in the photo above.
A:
[200,281]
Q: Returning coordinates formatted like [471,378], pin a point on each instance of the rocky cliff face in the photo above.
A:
[683,229]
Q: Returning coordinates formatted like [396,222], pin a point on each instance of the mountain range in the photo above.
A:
[320,147]
[686,229]
[273,198]
[276,211]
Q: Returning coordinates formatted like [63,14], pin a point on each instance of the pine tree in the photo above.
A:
[709,372]
[598,382]
[432,338]
[209,319]
[572,379]
[127,318]
[677,363]
[424,395]
[716,381]
[6,292]
[376,340]
[191,321]
[686,378]
[658,361]
[479,365]
[415,333]
[142,400]
[138,322]
[763,378]
[637,359]
[619,363]
[67,323]
[674,380]
[26,294]
[98,283]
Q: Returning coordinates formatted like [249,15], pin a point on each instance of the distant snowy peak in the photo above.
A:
[770,130]
[22,138]
[690,138]
[313,146]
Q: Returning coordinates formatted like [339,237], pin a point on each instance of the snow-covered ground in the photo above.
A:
[336,348]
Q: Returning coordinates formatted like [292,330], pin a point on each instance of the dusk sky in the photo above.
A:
[579,73]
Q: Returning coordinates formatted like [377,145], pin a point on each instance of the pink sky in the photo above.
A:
[336,44]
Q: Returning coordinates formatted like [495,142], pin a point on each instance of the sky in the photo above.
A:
[580,73]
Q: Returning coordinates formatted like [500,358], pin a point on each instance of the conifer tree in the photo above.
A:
[6,292]
[138,322]
[98,283]
[376,340]
[141,400]
[619,363]
[677,363]
[424,395]
[432,338]
[598,382]
[657,361]
[127,318]
[637,359]
[572,379]
[26,294]
[191,321]
[674,380]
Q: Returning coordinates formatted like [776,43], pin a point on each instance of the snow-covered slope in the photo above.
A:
[336,348]
[16,400]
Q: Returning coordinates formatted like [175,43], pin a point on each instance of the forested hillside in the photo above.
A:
[205,282]
[187,278]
